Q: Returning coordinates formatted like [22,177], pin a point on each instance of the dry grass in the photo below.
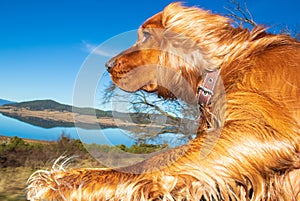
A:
[13,183]
[13,180]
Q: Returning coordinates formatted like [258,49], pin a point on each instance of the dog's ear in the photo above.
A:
[160,19]
[169,11]
[154,22]
[186,18]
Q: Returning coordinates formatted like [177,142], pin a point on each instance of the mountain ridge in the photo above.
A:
[48,113]
[48,104]
[4,102]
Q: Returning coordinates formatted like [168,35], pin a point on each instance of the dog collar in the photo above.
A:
[206,89]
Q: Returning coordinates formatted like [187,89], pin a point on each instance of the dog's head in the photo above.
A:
[135,68]
[169,56]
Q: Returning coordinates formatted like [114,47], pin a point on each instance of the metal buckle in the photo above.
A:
[205,90]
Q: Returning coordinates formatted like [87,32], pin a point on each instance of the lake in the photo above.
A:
[111,136]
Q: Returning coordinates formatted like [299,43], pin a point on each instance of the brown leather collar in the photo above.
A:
[206,92]
[206,89]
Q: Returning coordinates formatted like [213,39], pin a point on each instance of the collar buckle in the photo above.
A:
[206,89]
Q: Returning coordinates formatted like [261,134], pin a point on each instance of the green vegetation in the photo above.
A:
[18,153]
[142,148]
[135,149]
[20,158]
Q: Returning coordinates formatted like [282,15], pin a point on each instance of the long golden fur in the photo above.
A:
[255,155]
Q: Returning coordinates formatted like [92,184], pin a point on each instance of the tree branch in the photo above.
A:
[240,13]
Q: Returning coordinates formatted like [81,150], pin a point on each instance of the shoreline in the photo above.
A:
[4,138]
[53,118]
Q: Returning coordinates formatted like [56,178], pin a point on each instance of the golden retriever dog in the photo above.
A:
[247,86]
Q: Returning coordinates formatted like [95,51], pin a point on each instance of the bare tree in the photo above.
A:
[292,31]
[240,13]
[176,115]
[156,116]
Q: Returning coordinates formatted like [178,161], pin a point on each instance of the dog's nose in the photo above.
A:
[110,64]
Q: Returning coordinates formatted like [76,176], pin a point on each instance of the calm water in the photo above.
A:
[12,127]
[111,136]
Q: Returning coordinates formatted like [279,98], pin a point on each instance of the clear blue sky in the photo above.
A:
[43,43]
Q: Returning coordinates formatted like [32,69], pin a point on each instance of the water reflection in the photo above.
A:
[110,136]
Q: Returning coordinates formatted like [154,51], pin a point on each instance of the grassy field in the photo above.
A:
[13,180]
[20,158]
[13,183]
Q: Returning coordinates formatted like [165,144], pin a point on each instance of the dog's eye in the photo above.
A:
[146,36]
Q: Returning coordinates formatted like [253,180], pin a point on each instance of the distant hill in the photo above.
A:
[51,105]
[39,105]
[49,114]
[36,113]
[3,102]
[43,105]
